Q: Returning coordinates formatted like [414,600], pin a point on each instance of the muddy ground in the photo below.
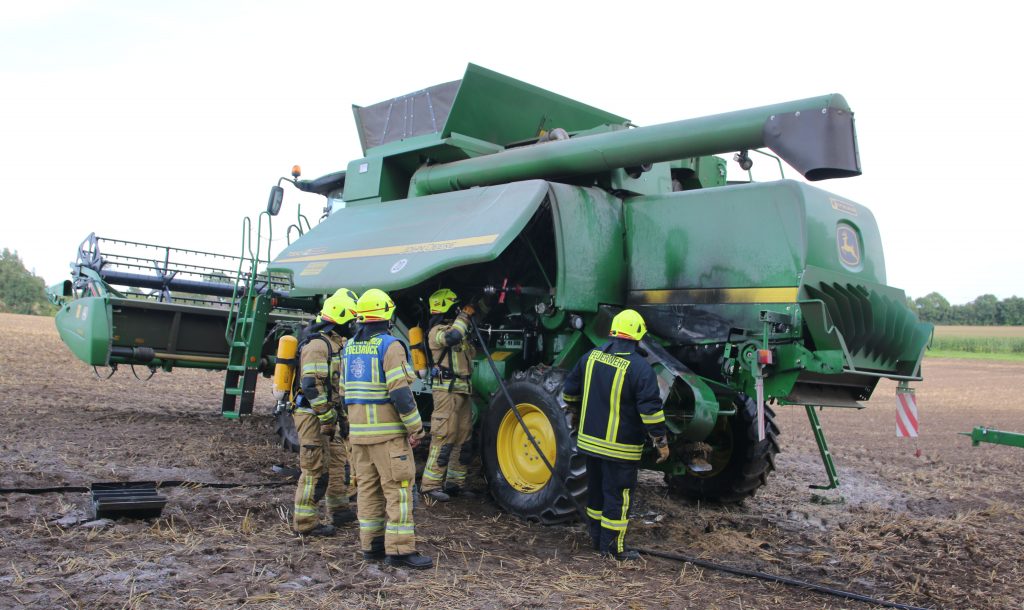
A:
[943,530]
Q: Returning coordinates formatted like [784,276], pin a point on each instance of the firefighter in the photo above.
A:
[319,418]
[451,424]
[385,426]
[616,394]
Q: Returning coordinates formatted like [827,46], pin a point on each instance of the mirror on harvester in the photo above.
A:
[275,200]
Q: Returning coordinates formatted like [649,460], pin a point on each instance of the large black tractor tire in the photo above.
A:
[517,478]
[284,427]
[741,462]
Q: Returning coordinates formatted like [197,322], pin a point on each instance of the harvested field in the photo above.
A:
[941,530]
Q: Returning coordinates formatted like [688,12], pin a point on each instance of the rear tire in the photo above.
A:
[284,427]
[516,477]
[741,462]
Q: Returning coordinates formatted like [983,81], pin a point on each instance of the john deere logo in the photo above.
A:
[849,246]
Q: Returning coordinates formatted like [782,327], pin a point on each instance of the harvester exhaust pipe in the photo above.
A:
[815,135]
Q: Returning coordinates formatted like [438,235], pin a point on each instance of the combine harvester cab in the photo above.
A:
[557,215]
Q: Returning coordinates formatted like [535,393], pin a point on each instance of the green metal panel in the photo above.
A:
[401,243]
[588,234]
[85,327]
[757,235]
[503,110]
[749,236]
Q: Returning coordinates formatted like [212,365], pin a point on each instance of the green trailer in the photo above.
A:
[558,215]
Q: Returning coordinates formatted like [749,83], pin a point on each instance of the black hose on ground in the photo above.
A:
[655,553]
[774,578]
[158,485]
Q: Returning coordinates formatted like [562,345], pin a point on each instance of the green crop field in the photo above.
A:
[979,342]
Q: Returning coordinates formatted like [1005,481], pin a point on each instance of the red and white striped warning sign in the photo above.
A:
[906,413]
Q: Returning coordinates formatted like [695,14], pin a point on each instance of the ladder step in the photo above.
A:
[238,344]
[233,391]
[247,320]
[236,367]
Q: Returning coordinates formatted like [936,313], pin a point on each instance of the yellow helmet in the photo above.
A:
[442,300]
[628,324]
[340,307]
[375,306]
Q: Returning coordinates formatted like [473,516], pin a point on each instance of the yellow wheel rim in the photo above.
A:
[523,468]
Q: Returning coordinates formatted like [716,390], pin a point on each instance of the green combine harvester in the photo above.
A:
[558,215]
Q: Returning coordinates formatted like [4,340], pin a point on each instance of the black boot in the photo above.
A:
[410,560]
[595,534]
[321,530]
[458,490]
[437,495]
[343,516]
[376,552]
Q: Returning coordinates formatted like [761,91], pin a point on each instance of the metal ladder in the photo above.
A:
[247,324]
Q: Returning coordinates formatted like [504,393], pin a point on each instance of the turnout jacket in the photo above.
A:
[617,394]
[451,340]
[375,382]
[320,369]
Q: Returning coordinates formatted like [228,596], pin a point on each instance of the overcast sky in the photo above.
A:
[167,122]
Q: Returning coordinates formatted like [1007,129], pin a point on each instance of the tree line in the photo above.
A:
[986,310]
[21,291]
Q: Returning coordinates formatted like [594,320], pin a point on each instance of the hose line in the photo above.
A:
[655,553]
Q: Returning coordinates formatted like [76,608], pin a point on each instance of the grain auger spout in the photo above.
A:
[815,135]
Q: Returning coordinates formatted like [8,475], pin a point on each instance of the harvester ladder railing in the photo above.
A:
[247,322]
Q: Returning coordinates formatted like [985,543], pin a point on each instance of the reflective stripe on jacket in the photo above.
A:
[619,400]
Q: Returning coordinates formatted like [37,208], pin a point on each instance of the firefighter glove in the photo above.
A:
[328,417]
[327,430]
[661,444]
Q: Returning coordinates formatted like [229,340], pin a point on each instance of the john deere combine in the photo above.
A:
[556,215]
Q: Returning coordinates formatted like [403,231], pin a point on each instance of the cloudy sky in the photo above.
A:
[167,122]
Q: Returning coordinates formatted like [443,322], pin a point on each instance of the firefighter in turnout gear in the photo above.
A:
[385,426]
[616,393]
[451,425]
[319,417]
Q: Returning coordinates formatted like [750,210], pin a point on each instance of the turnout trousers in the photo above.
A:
[610,485]
[316,451]
[451,434]
[385,473]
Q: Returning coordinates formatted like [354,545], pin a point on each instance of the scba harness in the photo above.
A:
[366,381]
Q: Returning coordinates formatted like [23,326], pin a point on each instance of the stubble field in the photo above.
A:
[943,530]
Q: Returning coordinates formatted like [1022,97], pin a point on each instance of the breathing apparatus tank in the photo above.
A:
[419,357]
[284,370]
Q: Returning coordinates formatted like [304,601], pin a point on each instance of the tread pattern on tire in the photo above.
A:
[561,507]
[746,472]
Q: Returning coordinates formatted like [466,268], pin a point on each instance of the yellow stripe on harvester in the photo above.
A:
[785,294]
[427,246]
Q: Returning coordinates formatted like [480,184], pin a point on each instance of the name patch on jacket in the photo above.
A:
[619,363]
